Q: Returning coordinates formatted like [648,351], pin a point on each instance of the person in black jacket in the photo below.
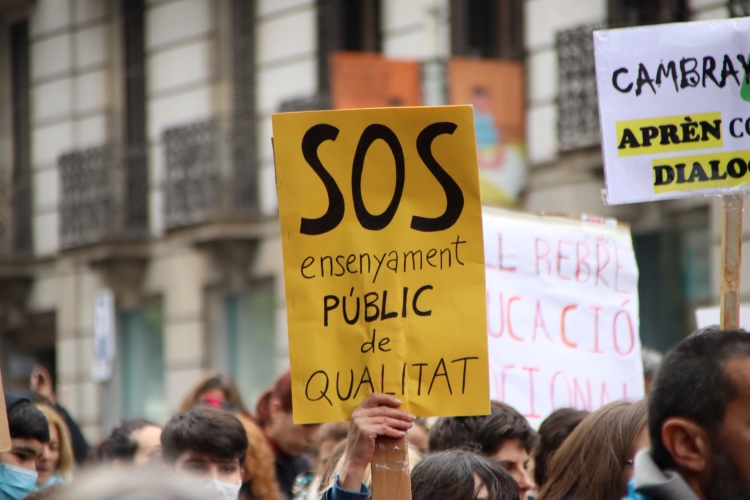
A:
[290,442]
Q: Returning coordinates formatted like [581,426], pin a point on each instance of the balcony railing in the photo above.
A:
[209,177]
[578,110]
[99,199]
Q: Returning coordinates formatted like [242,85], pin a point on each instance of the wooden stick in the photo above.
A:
[390,469]
[5,444]
[731,259]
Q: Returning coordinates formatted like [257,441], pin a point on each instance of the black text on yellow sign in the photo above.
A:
[669,133]
[383,259]
[698,172]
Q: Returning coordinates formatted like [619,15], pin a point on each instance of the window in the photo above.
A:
[21,116]
[141,358]
[675,277]
[136,173]
[644,12]
[346,25]
[487,28]
[245,176]
[251,345]
[739,8]
[578,108]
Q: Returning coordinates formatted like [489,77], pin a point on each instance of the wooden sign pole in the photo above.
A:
[731,258]
[390,469]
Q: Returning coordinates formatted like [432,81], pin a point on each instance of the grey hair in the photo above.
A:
[129,484]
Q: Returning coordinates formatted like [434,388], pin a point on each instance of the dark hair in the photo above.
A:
[449,475]
[692,383]
[590,463]
[487,433]
[553,431]
[120,444]
[281,390]
[220,381]
[207,430]
[26,421]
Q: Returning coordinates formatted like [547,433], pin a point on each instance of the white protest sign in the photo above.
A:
[674,107]
[562,312]
[709,316]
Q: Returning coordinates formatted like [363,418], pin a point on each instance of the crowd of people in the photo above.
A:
[689,440]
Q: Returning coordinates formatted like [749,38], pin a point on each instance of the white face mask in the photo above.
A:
[223,491]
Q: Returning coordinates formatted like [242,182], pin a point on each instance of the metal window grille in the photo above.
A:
[245,172]
[89,203]
[193,184]
[136,167]
[739,8]
[19,232]
[578,110]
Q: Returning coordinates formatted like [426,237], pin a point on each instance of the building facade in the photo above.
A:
[135,158]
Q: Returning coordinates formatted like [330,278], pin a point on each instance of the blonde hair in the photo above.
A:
[336,464]
[66,463]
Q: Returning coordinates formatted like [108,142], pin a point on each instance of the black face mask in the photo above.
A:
[727,481]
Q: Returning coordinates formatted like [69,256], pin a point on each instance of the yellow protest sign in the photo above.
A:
[383,259]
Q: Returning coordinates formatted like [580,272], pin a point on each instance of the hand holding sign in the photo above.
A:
[378,415]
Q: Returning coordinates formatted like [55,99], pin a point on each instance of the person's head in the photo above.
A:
[274,415]
[419,435]
[335,465]
[139,484]
[218,390]
[134,442]
[596,461]
[330,436]
[698,413]
[651,360]
[206,443]
[552,433]
[58,452]
[503,435]
[461,475]
[29,432]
